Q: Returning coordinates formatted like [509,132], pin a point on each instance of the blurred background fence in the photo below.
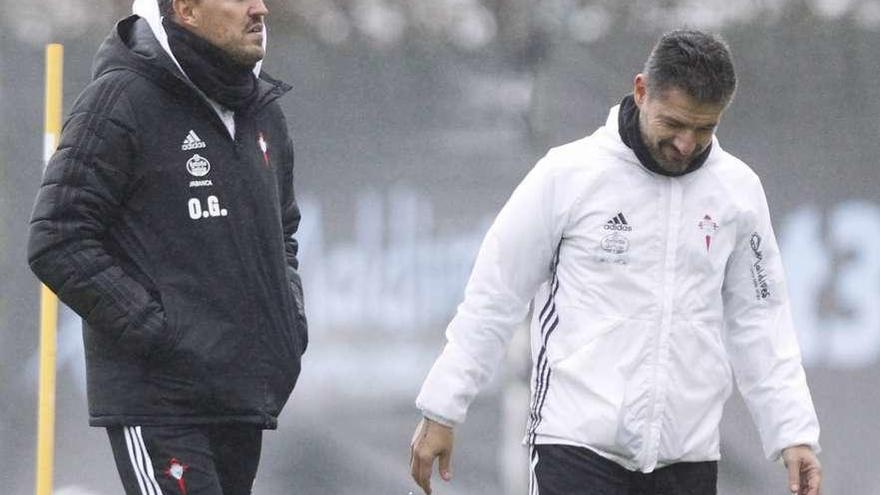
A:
[413,121]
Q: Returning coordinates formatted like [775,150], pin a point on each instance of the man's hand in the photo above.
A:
[804,470]
[430,440]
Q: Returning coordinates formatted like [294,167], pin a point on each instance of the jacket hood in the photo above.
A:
[131,45]
[134,45]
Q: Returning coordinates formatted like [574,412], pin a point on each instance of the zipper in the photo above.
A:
[661,348]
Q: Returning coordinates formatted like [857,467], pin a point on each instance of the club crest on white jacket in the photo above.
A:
[648,294]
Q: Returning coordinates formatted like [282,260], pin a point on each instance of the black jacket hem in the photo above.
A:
[265,422]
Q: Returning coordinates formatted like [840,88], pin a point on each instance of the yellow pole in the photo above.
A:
[48,301]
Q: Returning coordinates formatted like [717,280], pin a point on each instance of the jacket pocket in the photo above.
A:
[300,324]
[147,334]
[167,338]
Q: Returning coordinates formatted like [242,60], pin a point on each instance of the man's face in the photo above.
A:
[235,26]
[675,127]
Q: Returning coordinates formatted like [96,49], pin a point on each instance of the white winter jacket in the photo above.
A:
[648,293]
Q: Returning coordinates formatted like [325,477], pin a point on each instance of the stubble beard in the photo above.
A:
[670,165]
[247,56]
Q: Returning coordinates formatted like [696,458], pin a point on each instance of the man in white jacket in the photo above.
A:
[653,273]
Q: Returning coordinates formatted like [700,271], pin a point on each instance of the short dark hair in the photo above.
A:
[692,61]
[166,8]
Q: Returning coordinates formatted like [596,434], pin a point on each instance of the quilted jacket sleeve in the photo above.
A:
[760,336]
[82,194]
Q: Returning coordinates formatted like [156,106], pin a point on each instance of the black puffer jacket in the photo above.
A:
[174,243]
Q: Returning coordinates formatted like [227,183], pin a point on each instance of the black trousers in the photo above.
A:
[568,470]
[187,460]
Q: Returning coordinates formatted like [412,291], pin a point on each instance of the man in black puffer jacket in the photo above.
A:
[166,221]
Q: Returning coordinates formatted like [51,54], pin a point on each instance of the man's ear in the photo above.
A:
[185,12]
[640,89]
